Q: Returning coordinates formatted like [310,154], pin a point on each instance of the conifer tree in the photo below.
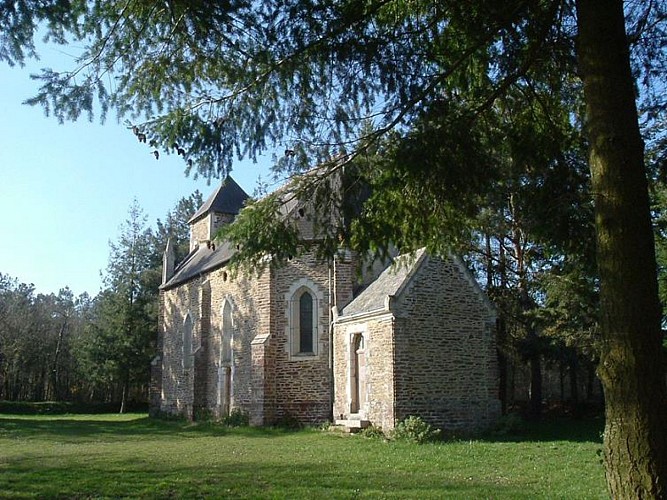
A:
[121,336]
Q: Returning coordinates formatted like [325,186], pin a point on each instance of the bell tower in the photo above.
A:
[220,208]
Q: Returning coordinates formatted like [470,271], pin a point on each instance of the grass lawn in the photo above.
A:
[131,456]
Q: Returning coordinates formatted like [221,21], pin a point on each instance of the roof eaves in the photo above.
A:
[177,281]
[364,315]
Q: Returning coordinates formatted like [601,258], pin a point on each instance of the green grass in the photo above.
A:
[131,456]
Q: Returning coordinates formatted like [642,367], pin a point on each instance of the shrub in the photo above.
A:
[236,418]
[202,414]
[414,430]
[372,432]
[168,416]
[324,426]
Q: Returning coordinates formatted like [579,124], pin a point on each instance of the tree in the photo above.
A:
[120,340]
[16,337]
[631,359]
[329,80]
[93,349]
[36,359]
[20,20]
[569,318]
[61,318]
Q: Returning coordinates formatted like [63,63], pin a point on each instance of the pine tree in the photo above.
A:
[122,337]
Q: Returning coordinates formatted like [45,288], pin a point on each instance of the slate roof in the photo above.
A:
[227,199]
[390,283]
[201,260]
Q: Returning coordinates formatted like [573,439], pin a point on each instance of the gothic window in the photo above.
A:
[187,342]
[303,322]
[306,322]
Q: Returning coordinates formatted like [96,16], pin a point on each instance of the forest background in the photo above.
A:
[92,349]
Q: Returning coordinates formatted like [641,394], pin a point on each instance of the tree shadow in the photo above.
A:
[583,430]
[81,429]
[251,479]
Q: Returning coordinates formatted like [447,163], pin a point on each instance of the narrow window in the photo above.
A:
[302,322]
[187,342]
[306,323]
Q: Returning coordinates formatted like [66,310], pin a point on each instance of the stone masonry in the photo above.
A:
[416,340]
[428,351]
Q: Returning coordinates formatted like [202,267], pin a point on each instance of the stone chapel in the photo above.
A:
[314,340]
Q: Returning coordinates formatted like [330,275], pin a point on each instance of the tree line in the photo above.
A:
[92,349]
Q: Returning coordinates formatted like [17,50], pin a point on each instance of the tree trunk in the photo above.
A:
[561,380]
[55,373]
[535,403]
[126,391]
[502,336]
[591,383]
[123,398]
[630,368]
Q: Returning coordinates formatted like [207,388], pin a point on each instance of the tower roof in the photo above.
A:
[227,199]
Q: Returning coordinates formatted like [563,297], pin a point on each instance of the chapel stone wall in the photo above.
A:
[248,296]
[189,390]
[303,384]
[445,351]
[178,376]
[155,389]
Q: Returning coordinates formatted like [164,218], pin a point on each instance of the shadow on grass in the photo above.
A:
[96,428]
[584,430]
[250,479]
[149,458]
[81,428]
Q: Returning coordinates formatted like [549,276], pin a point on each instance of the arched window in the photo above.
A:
[187,342]
[303,320]
[306,323]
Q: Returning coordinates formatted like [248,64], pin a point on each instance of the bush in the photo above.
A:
[324,426]
[202,414]
[166,416]
[372,432]
[236,418]
[415,430]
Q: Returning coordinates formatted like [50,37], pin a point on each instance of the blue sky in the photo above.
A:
[66,189]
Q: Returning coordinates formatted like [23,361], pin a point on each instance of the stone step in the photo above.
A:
[353,424]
